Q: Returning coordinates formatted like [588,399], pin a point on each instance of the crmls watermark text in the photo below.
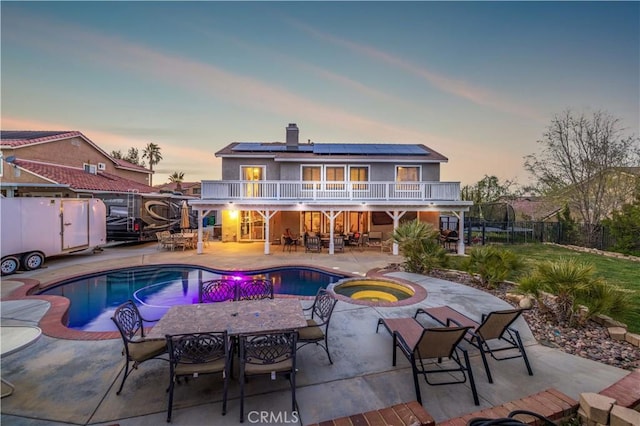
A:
[273,417]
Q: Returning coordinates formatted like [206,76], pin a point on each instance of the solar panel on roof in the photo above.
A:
[367,149]
[267,147]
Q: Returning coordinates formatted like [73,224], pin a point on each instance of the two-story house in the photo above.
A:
[327,188]
[63,164]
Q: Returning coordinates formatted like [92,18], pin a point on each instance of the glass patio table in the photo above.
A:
[241,317]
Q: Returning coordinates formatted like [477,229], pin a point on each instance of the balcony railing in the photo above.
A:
[307,191]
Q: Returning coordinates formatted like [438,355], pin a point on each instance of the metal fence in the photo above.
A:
[584,235]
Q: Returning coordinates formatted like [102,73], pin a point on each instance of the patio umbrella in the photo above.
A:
[184,216]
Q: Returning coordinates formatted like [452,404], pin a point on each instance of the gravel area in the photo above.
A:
[591,341]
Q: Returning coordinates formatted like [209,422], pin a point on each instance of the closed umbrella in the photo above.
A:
[184,216]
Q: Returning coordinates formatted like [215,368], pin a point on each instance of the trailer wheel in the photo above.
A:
[33,260]
[9,265]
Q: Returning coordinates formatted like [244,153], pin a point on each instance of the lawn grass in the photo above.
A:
[621,272]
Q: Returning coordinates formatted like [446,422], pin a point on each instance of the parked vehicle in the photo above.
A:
[36,228]
[137,217]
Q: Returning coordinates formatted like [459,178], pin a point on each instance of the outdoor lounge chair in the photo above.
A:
[418,344]
[288,243]
[317,327]
[218,290]
[494,326]
[191,355]
[270,354]
[313,244]
[255,289]
[137,349]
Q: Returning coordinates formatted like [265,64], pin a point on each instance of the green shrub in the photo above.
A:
[575,284]
[418,243]
[494,264]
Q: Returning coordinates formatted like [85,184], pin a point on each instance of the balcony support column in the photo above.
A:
[461,233]
[396,215]
[332,217]
[267,215]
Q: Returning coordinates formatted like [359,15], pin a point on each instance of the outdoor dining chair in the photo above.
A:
[137,349]
[420,344]
[193,354]
[217,290]
[494,327]
[317,327]
[338,244]
[313,244]
[268,354]
[255,289]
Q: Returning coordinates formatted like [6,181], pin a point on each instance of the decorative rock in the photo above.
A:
[621,416]
[526,303]
[632,338]
[513,297]
[617,333]
[596,407]
[584,420]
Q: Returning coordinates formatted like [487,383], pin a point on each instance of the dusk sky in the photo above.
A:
[476,81]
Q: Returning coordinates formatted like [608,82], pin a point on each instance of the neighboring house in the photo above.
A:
[327,188]
[63,164]
[191,189]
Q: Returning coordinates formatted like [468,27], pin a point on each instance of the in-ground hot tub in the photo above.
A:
[377,291]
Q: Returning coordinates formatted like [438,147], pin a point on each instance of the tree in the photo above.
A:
[625,227]
[133,156]
[116,154]
[152,153]
[177,178]
[489,189]
[577,153]
[419,245]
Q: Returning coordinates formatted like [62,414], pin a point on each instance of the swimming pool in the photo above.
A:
[95,297]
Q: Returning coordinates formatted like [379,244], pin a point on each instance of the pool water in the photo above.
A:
[155,289]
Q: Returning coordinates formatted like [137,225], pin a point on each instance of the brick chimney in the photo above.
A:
[292,137]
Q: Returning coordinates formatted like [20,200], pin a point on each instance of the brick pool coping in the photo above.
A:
[54,320]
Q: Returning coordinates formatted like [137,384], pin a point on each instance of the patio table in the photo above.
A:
[241,317]
[12,339]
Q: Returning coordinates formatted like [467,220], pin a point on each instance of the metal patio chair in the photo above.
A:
[255,289]
[194,354]
[317,327]
[216,290]
[137,349]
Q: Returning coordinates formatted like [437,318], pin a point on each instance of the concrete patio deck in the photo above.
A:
[61,381]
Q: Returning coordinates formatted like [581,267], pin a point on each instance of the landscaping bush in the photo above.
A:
[574,284]
[418,243]
[493,264]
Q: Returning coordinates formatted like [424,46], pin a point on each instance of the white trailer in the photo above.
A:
[33,229]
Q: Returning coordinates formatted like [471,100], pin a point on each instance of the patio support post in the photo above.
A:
[461,233]
[267,215]
[199,246]
[332,218]
[396,215]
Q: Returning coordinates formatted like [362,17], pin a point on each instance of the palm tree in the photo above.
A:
[177,178]
[152,153]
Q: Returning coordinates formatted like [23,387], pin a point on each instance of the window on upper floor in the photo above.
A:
[407,174]
[359,174]
[311,173]
[90,168]
[335,174]
[196,191]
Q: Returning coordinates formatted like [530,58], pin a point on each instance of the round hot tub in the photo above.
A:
[377,291]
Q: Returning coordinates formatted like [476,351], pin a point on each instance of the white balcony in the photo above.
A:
[323,192]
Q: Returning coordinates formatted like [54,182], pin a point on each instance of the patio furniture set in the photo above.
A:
[233,317]
[182,240]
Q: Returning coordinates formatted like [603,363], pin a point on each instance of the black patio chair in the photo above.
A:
[137,348]
[317,327]
[255,289]
[268,354]
[217,290]
[195,354]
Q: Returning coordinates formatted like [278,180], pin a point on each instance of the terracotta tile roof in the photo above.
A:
[16,138]
[20,138]
[78,179]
